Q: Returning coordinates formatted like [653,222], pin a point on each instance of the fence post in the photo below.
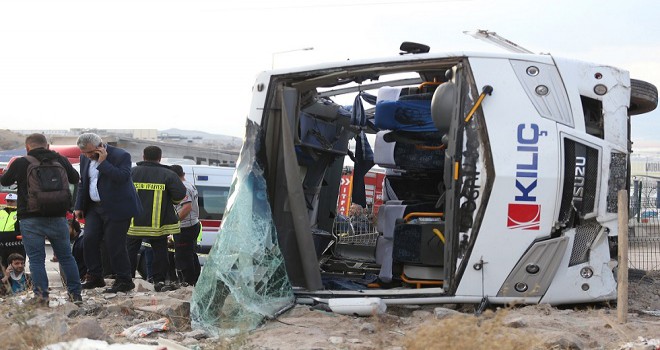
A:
[637,199]
[622,272]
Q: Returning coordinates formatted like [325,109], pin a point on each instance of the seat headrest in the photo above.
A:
[443,105]
[384,151]
[389,93]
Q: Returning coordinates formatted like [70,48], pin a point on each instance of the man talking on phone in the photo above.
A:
[107,200]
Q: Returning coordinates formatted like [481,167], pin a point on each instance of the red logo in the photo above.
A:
[524,216]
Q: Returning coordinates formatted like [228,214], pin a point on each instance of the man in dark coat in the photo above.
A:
[107,200]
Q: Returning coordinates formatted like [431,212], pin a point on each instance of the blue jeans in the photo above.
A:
[56,230]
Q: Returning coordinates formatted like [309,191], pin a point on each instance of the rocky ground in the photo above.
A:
[104,321]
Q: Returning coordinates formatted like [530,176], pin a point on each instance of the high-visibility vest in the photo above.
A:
[7,220]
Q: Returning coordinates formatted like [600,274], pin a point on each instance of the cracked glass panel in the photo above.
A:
[244,279]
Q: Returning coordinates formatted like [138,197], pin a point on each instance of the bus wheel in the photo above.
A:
[643,97]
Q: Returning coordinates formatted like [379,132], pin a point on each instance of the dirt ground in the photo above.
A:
[104,317]
[439,327]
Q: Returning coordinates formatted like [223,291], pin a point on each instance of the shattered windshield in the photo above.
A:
[244,279]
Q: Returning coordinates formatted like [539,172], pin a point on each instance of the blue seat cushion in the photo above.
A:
[405,115]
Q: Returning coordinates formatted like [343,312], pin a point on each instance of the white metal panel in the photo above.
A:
[512,118]
[580,78]
[259,93]
[412,58]
[554,104]
[566,287]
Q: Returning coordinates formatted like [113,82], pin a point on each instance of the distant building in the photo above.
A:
[43,131]
[140,134]
[179,148]
[646,165]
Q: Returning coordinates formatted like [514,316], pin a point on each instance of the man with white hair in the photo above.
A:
[107,200]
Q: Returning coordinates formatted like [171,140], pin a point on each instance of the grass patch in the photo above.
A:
[488,331]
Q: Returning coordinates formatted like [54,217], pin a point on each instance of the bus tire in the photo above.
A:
[643,97]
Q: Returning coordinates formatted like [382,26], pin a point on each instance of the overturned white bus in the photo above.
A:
[501,185]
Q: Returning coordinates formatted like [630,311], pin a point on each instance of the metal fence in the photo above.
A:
[644,225]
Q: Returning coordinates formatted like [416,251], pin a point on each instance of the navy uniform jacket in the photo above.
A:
[159,189]
[118,196]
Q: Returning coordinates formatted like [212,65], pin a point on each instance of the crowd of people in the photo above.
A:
[122,206]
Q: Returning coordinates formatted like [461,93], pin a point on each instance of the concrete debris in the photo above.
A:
[441,312]
[516,323]
[90,344]
[178,311]
[87,328]
[564,342]
[336,340]
[70,309]
[50,322]
[168,344]
[143,286]
[421,314]
[189,341]
[642,344]
[143,329]
[367,328]
[196,334]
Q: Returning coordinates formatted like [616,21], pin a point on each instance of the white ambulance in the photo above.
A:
[212,183]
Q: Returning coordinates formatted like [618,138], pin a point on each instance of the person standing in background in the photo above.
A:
[159,189]
[40,222]
[107,200]
[185,243]
[9,230]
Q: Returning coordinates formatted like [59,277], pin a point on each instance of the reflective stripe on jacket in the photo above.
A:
[158,188]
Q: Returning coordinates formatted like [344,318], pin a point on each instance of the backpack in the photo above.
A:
[48,187]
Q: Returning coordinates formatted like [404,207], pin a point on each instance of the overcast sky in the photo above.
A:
[191,64]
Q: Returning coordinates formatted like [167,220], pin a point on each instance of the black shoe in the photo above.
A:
[76,299]
[165,286]
[120,286]
[92,282]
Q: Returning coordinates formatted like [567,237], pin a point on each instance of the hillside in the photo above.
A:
[11,140]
